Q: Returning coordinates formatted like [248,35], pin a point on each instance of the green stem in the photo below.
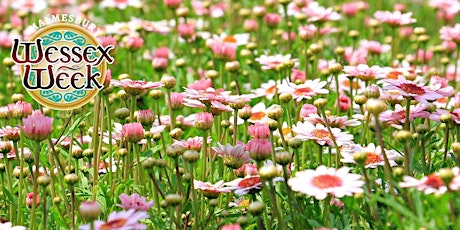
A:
[204,156]
[387,166]
[407,123]
[171,112]
[35,184]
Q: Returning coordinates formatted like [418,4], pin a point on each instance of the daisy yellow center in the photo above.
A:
[320,133]
[303,90]
[271,89]
[286,131]
[393,75]
[434,181]
[257,116]
[113,224]
[326,181]
[443,100]
[372,158]
[412,88]
[346,83]
[230,39]
[245,203]
[249,182]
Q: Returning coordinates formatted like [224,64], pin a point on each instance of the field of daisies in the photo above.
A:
[251,114]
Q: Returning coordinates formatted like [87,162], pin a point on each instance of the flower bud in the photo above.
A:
[122,152]
[403,135]
[5,147]
[398,172]
[242,220]
[446,118]
[173,199]
[8,62]
[360,157]
[17,172]
[456,147]
[245,113]
[212,74]
[285,97]
[375,106]
[283,157]
[71,179]
[57,200]
[275,112]
[90,210]
[294,143]
[174,151]
[256,208]
[422,128]
[88,153]
[43,180]
[360,99]
[122,113]
[446,174]
[225,124]
[268,172]
[320,103]
[335,68]
[372,91]
[160,163]
[168,82]
[148,163]
[156,94]
[176,133]
[191,156]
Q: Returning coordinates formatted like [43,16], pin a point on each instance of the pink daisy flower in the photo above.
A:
[317,13]
[364,72]
[374,155]
[451,33]
[340,122]
[233,156]
[431,184]
[210,190]
[134,201]
[320,134]
[259,114]
[135,87]
[120,220]
[441,86]
[374,47]
[120,4]
[455,115]
[326,181]
[398,116]
[266,90]
[395,18]
[271,62]
[248,184]
[306,90]
[412,90]
[242,186]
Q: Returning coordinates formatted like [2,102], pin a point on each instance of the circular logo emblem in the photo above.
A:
[62,66]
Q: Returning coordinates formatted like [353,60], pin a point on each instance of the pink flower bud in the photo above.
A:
[30,199]
[259,131]
[204,120]
[272,20]
[37,127]
[259,149]
[133,132]
[308,109]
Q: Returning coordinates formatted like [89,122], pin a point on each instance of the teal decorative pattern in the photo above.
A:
[51,95]
[52,37]
[74,37]
[74,95]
